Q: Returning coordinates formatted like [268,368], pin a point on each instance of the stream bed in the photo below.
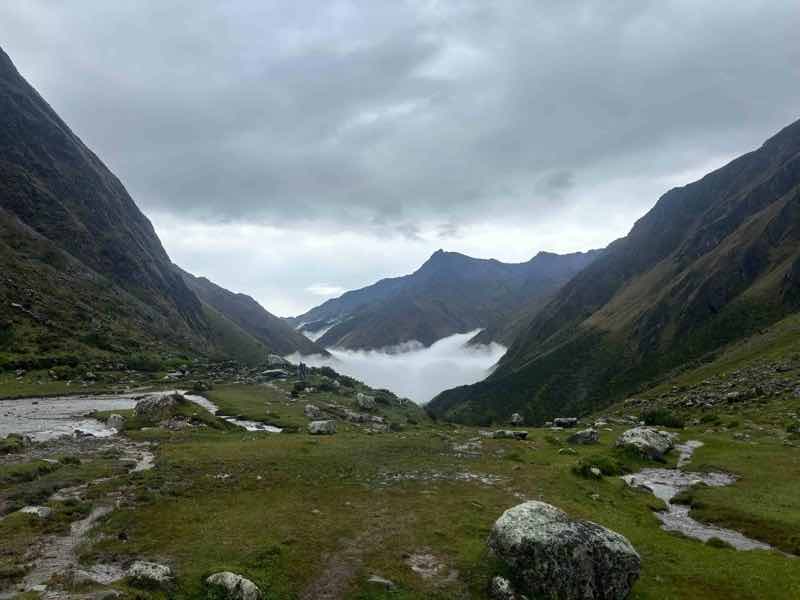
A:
[665,484]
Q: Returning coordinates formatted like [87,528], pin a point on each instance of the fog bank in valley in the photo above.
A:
[411,370]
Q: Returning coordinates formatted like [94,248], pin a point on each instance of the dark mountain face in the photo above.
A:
[81,268]
[450,293]
[711,262]
[252,318]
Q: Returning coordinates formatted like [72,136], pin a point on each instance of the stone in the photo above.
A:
[650,443]
[500,589]
[365,402]
[149,574]
[584,437]
[553,556]
[569,451]
[235,587]
[157,407]
[43,512]
[377,580]
[565,422]
[312,412]
[322,427]
[116,421]
[517,420]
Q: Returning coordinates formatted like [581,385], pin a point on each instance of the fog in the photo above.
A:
[411,370]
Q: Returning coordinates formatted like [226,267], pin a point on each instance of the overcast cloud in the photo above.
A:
[293,149]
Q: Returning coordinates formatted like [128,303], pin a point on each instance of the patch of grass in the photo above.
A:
[607,465]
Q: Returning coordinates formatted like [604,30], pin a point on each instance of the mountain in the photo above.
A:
[450,293]
[712,262]
[251,317]
[82,271]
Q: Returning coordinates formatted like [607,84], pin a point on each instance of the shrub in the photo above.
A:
[661,417]
[144,362]
[607,465]
[710,419]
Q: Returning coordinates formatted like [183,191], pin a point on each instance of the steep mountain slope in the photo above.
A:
[710,263]
[82,272]
[450,293]
[251,317]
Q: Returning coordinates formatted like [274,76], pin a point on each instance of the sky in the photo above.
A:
[294,149]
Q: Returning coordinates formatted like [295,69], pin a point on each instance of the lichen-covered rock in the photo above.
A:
[500,589]
[158,407]
[149,574]
[584,437]
[116,421]
[233,586]
[322,427]
[553,556]
[650,443]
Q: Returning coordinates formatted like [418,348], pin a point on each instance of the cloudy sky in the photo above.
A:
[292,149]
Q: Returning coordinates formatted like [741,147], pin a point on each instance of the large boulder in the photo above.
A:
[584,437]
[565,422]
[312,412]
[322,427]
[149,574]
[233,586]
[517,420]
[158,407]
[116,421]
[648,442]
[553,556]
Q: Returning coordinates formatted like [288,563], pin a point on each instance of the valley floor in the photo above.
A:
[316,517]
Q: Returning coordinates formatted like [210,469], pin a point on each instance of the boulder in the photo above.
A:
[312,412]
[650,443]
[157,407]
[511,435]
[517,420]
[116,421]
[149,574]
[565,422]
[365,402]
[553,556]
[585,436]
[322,427]
[233,586]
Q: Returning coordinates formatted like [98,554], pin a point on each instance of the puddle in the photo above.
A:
[665,484]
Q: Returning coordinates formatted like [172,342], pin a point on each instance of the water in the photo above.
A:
[44,419]
[665,484]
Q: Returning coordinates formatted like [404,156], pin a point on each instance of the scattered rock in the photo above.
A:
[650,443]
[312,412]
[517,420]
[569,451]
[565,422]
[508,434]
[553,556]
[322,427]
[365,402]
[235,587]
[584,437]
[43,512]
[500,589]
[149,574]
[382,582]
